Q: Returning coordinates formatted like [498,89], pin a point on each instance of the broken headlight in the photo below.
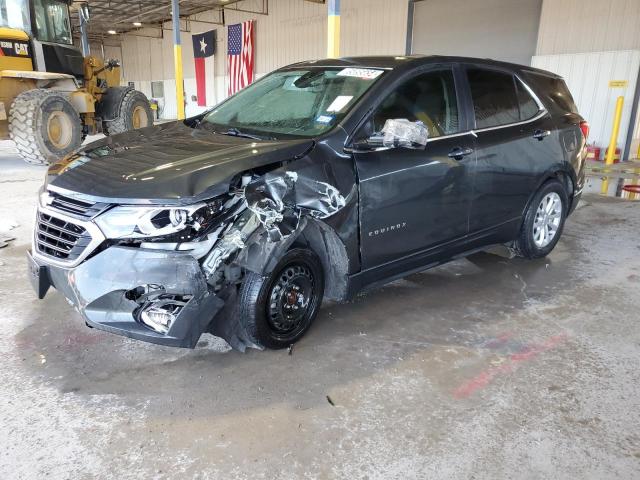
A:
[175,224]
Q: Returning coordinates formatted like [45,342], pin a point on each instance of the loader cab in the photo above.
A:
[46,26]
[52,40]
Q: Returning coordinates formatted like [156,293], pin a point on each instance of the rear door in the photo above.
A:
[516,142]
[414,198]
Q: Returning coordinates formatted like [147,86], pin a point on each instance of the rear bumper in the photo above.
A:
[97,289]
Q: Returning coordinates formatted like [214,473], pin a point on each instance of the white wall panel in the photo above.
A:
[588,76]
[573,26]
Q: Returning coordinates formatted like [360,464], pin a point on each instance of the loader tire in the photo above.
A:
[134,112]
[44,126]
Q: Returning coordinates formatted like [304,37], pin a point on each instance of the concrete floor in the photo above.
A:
[486,368]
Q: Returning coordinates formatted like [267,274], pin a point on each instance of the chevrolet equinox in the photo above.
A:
[316,181]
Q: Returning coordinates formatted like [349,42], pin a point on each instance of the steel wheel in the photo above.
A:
[292,299]
[547,219]
[59,129]
[139,117]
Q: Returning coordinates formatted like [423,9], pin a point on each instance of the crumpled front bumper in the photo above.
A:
[97,288]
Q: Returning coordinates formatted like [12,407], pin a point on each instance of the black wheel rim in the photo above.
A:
[292,300]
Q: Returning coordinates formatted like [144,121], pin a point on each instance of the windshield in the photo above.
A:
[51,21]
[14,14]
[305,102]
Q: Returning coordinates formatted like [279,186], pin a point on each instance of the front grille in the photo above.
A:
[60,239]
[74,206]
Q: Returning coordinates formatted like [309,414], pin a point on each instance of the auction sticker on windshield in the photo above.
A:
[339,103]
[364,73]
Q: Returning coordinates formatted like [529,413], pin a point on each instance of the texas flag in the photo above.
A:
[204,45]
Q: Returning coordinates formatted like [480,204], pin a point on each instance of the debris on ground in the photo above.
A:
[4,240]
[330,401]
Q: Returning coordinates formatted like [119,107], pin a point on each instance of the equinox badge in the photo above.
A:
[390,228]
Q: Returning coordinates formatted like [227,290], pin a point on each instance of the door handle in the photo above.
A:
[459,153]
[540,134]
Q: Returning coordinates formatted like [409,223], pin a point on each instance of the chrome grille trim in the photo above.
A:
[63,240]
[70,204]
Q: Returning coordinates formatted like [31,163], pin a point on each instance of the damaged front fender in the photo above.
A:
[279,199]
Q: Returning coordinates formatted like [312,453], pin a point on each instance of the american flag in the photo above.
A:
[240,56]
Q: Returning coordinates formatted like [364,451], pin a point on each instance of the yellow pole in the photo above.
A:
[613,142]
[177,58]
[333,29]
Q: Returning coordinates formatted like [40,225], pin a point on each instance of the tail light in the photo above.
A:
[584,126]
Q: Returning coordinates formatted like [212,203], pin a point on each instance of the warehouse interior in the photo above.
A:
[487,367]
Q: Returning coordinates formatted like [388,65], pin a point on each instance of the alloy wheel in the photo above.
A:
[547,219]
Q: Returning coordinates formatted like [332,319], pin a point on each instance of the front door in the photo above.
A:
[414,199]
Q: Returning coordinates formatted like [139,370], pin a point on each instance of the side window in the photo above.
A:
[557,91]
[526,103]
[494,98]
[429,98]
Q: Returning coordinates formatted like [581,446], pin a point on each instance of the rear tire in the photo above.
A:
[135,112]
[277,310]
[44,126]
[543,221]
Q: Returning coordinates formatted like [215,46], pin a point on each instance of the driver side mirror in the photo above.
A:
[396,133]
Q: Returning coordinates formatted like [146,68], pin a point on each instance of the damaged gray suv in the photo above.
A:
[318,180]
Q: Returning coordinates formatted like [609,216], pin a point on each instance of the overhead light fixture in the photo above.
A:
[137,24]
[111,32]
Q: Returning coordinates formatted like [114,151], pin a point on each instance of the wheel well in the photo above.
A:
[324,242]
[560,175]
[567,181]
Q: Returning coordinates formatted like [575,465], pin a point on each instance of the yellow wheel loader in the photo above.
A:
[51,96]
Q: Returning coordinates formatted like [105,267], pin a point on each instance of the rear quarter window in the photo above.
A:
[554,90]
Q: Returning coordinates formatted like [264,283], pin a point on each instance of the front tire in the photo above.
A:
[135,112]
[543,222]
[44,126]
[278,309]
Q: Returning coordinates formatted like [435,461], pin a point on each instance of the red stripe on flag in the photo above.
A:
[201,82]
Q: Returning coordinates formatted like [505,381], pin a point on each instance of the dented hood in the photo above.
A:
[170,163]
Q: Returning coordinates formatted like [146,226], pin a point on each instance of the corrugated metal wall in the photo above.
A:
[588,76]
[574,26]
[294,30]
[582,26]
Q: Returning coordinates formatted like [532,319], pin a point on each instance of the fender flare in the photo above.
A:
[61,81]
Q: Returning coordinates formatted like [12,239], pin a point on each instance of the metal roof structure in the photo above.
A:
[120,15]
